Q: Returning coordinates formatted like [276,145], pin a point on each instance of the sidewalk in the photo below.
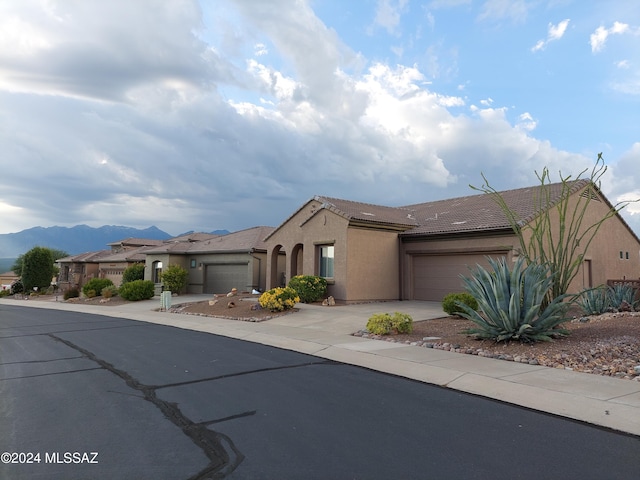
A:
[326,332]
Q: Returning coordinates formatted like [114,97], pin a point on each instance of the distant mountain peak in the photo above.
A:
[73,240]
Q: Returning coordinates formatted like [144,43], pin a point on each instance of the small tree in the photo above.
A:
[37,268]
[134,272]
[55,254]
[561,244]
[174,278]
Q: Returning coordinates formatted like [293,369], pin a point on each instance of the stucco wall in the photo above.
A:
[373,270]
[309,228]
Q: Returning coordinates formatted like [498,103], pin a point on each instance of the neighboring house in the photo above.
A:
[76,270]
[7,279]
[418,252]
[216,263]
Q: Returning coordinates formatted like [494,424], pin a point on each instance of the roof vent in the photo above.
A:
[367,213]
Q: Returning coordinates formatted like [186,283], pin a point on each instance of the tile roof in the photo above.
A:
[86,257]
[241,241]
[369,213]
[478,212]
[136,242]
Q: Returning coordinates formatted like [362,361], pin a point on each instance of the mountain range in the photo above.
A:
[72,240]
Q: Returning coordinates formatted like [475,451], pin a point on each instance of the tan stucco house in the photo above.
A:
[418,252]
[216,263]
[76,270]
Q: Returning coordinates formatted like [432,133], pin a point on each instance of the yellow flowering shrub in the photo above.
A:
[310,288]
[279,299]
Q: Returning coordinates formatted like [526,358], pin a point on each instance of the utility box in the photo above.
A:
[165,300]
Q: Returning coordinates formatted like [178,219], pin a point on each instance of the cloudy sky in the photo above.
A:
[204,115]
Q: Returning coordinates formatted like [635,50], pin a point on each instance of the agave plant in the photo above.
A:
[512,303]
[620,294]
[594,301]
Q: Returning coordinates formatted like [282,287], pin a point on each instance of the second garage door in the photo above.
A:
[221,278]
[435,276]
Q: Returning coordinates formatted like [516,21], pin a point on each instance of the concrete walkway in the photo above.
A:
[326,332]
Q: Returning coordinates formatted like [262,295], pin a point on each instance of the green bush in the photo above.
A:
[174,278]
[5,293]
[137,290]
[71,293]
[95,284]
[279,299]
[108,292]
[450,302]
[132,273]
[310,288]
[512,302]
[385,323]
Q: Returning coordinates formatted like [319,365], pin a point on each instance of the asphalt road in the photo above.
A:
[92,397]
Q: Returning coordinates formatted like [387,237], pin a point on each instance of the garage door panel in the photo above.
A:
[223,277]
[435,276]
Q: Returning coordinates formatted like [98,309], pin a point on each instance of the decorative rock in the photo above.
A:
[231,305]
[213,302]
[257,306]
[232,293]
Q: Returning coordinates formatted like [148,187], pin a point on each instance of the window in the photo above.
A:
[193,263]
[157,271]
[326,261]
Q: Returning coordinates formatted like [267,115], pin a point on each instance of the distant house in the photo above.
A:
[76,270]
[418,252]
[216,263]
[7,279]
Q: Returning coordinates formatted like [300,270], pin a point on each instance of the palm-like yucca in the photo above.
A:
[511,303]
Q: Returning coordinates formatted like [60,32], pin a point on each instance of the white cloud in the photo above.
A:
[126,116]
[599,38]
[555,32]
[388,14]
[513,10]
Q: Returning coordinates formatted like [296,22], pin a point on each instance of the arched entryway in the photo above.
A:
[297,264]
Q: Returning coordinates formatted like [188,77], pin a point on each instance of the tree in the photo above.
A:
[560,242]
[37,268]
[174,278]
[134,272]
[55,254]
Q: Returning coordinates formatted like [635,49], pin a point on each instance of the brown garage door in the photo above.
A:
[221,278]
[435,276]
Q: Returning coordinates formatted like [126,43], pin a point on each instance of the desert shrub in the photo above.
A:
[513,302]
[450,302]
[174,278]
[132,273]
[5,293]
[17,287]
[137,290]
[71,293]
[279,299]
[95,284]
[310,288]
[110,291]
[594,301]
[622,297]
[385,323]
[90,293]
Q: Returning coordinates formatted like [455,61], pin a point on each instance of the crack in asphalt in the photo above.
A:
[240,374]
[223,455]
[42,361]
[51,374]
[75,322]
[83,329]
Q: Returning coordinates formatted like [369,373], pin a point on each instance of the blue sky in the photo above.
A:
[229,114]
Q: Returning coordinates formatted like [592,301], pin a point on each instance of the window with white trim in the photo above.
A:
[326,261]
